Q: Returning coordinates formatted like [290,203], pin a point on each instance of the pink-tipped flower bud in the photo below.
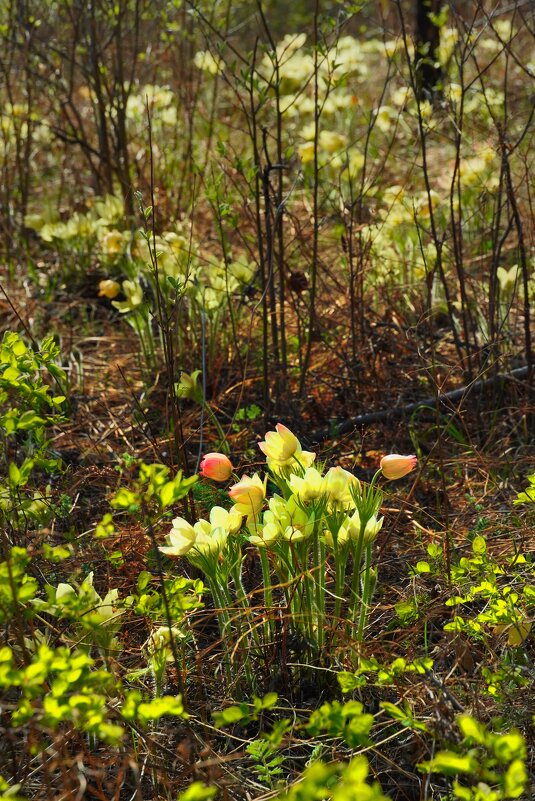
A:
[396,466]
[216,466]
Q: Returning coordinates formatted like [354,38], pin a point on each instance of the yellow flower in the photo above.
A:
[507,278]
[110,208]
[309,487]
[306,152]
[134,297]
[283,451]
[337,484]
[301,525]
[395,466]
[280,446]
[113,244]
[205,61]
[384,116]
[371,530]
[356,162]
[180,539]
[248,495]
[209,540]
[228,520]
[160,640]
[108,289]
[176,242]
[341,538]
[331,141]
[266,536]
[189,386]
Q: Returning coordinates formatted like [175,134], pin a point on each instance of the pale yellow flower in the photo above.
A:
[180,539]
[309,486]
[248,495]
[108,288]
[337,485]
[331,141]
[507,278]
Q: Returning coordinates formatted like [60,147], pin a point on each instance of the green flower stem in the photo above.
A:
[135,320]
[366,594]
[307,596]
[355,599]
[243,601]
[340,563]
[227,603]
[268,596]
[223,620]
[374,479]
[319,582]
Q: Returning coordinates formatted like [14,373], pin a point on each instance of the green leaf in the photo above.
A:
[515,779]
[449,763]
[349,681]
[472,728]
[231,715]
[197,791]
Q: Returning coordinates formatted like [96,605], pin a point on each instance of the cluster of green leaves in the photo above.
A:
[382,674]
[338,781]
[528,495]
[17,588]
[28,406]
[62,685]
[492,765]
[493,601]
[152,487]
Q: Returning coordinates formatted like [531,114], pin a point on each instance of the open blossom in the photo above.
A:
[229,520]
[210,540]
[216,466]
[248,495]
[308,487]
[396,466]
[180,539]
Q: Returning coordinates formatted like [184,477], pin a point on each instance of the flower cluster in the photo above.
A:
[314,516]
[205,539]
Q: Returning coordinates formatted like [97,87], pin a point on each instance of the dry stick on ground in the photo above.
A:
[446,398]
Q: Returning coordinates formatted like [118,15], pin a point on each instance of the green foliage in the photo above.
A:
[528,495]
[245,713]
[347,721]
[17,588]
[197,791]
[24,389]
[337,781]
[27,408]
[491,765]
[153,486]
[383,674]
[134,708]
[264,752]
[404,715]
[10,793]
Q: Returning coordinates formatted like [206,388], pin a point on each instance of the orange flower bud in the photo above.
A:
[396,466]
[216,466]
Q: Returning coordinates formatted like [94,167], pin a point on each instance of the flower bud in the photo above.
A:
[396,466]
[216,466]
[108,289]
